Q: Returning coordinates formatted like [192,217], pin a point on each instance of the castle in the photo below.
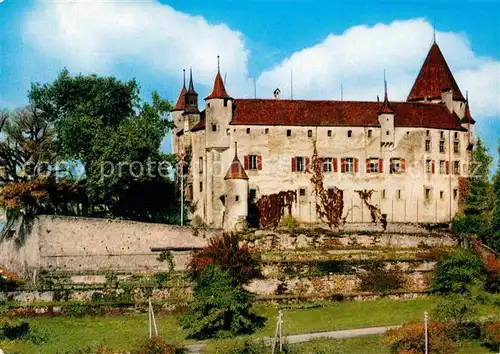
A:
[413,155]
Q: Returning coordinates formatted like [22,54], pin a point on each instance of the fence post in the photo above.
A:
[426,320]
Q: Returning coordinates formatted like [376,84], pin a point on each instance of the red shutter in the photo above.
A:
[381,165]
[245,162]
[356,165]
[342,165]
[403,165]
[368,170]
[433,168]
[447,165]
[294,164]
[320,161]
[308,163]
[334,164]
[259,162]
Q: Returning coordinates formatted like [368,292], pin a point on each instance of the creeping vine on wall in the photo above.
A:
[375,212]
[272,207]
[329,202]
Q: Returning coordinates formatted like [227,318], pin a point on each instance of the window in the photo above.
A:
[227,131]
[455,193]
[200,167]
[372,165]
[407,133]
[383,193]
[398,194]
[456,167]
[310,133]
[456,136]
[442,134]
[208,105]
[237,198]
[248,130]
[329,133]
[427,145]
[427,193]
[225,102]
[441,194]
[397,165]
[387,132]
[252,162]
[442,167]
[302,192]
[267,131]
[369,133]
[427,133]
[349,133]
[299,163]
[349,165]
[214,127]
[456,147]
[428,166]
[441,146]
[253,194]
[201,187]
[288,132]
[327,164]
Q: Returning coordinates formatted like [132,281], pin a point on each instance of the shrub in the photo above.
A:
[157,345]
[492,335]
[9,280]
[409,339]
[457,272]
[235,346]
[379,279]
[76,309]
[220,308]
[333,244]
[289,222]
[226,251]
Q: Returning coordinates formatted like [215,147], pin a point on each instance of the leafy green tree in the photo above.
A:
[494,240]
[479,198]
[102,124]
[219,308]
[458,273]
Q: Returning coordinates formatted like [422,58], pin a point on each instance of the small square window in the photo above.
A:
[310,133]
[214,127]
[456,147]
[441,146]
[372,166]
[302,192]
[200,166]
[441,194]
[442,134]
[396,165]
[428,166]
[349,165]
[427,193]
[427,145]
[266,131]
[208,105]
[427,132]
[407,133]
[225,102]
[201,187]
[383,193]
[237,198]
[299,164]
[369,133]
[398,194]
[455,193]
[456,167]
[442,167]
[329,133]
[327,164]
[248,130]
[349,133]
[288,132]
[456,136]
[387,132]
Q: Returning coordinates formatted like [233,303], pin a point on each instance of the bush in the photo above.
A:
[409,339]
[289,222]
[379,279]
[457,272]
[157,345]
[491,333]
[235,346]
[9,280]
[220,308]
[226,252]
[76,309]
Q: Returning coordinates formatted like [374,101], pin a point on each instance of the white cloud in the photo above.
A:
[357,58]
[95,36]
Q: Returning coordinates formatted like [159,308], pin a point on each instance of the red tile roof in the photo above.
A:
[181,101]
[434,76]
[236,170]
[201,124]
[219,91]
[340,113]
[467,117]
[386,108]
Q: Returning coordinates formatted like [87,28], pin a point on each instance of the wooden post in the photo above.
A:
[426,320]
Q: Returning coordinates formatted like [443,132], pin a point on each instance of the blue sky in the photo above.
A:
[324,43]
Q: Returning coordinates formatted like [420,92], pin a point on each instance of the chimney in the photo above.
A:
[277,93]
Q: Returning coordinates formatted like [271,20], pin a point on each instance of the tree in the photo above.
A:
[102,123]
[479,198]
[219,308]
[494,239]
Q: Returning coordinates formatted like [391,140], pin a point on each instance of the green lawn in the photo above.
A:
[123,332]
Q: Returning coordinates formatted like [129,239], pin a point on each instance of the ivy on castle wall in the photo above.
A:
[272,207]
[375,212]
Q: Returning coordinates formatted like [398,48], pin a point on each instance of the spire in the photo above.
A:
[218,91]
[386,106]
[191,86]
[181,101]
[236,170]
[467,116]
[191,97]
[184,78]
[434,76]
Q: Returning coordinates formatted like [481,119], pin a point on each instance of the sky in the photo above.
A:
[325,44]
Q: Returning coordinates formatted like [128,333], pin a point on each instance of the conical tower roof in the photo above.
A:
[467,116]
[181,101]
[434,76]
[236,170]
[386,107]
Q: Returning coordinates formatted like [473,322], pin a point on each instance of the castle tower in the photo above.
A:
[468,123]
[191,113]
[236,199]
[435,83]
[386,119]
